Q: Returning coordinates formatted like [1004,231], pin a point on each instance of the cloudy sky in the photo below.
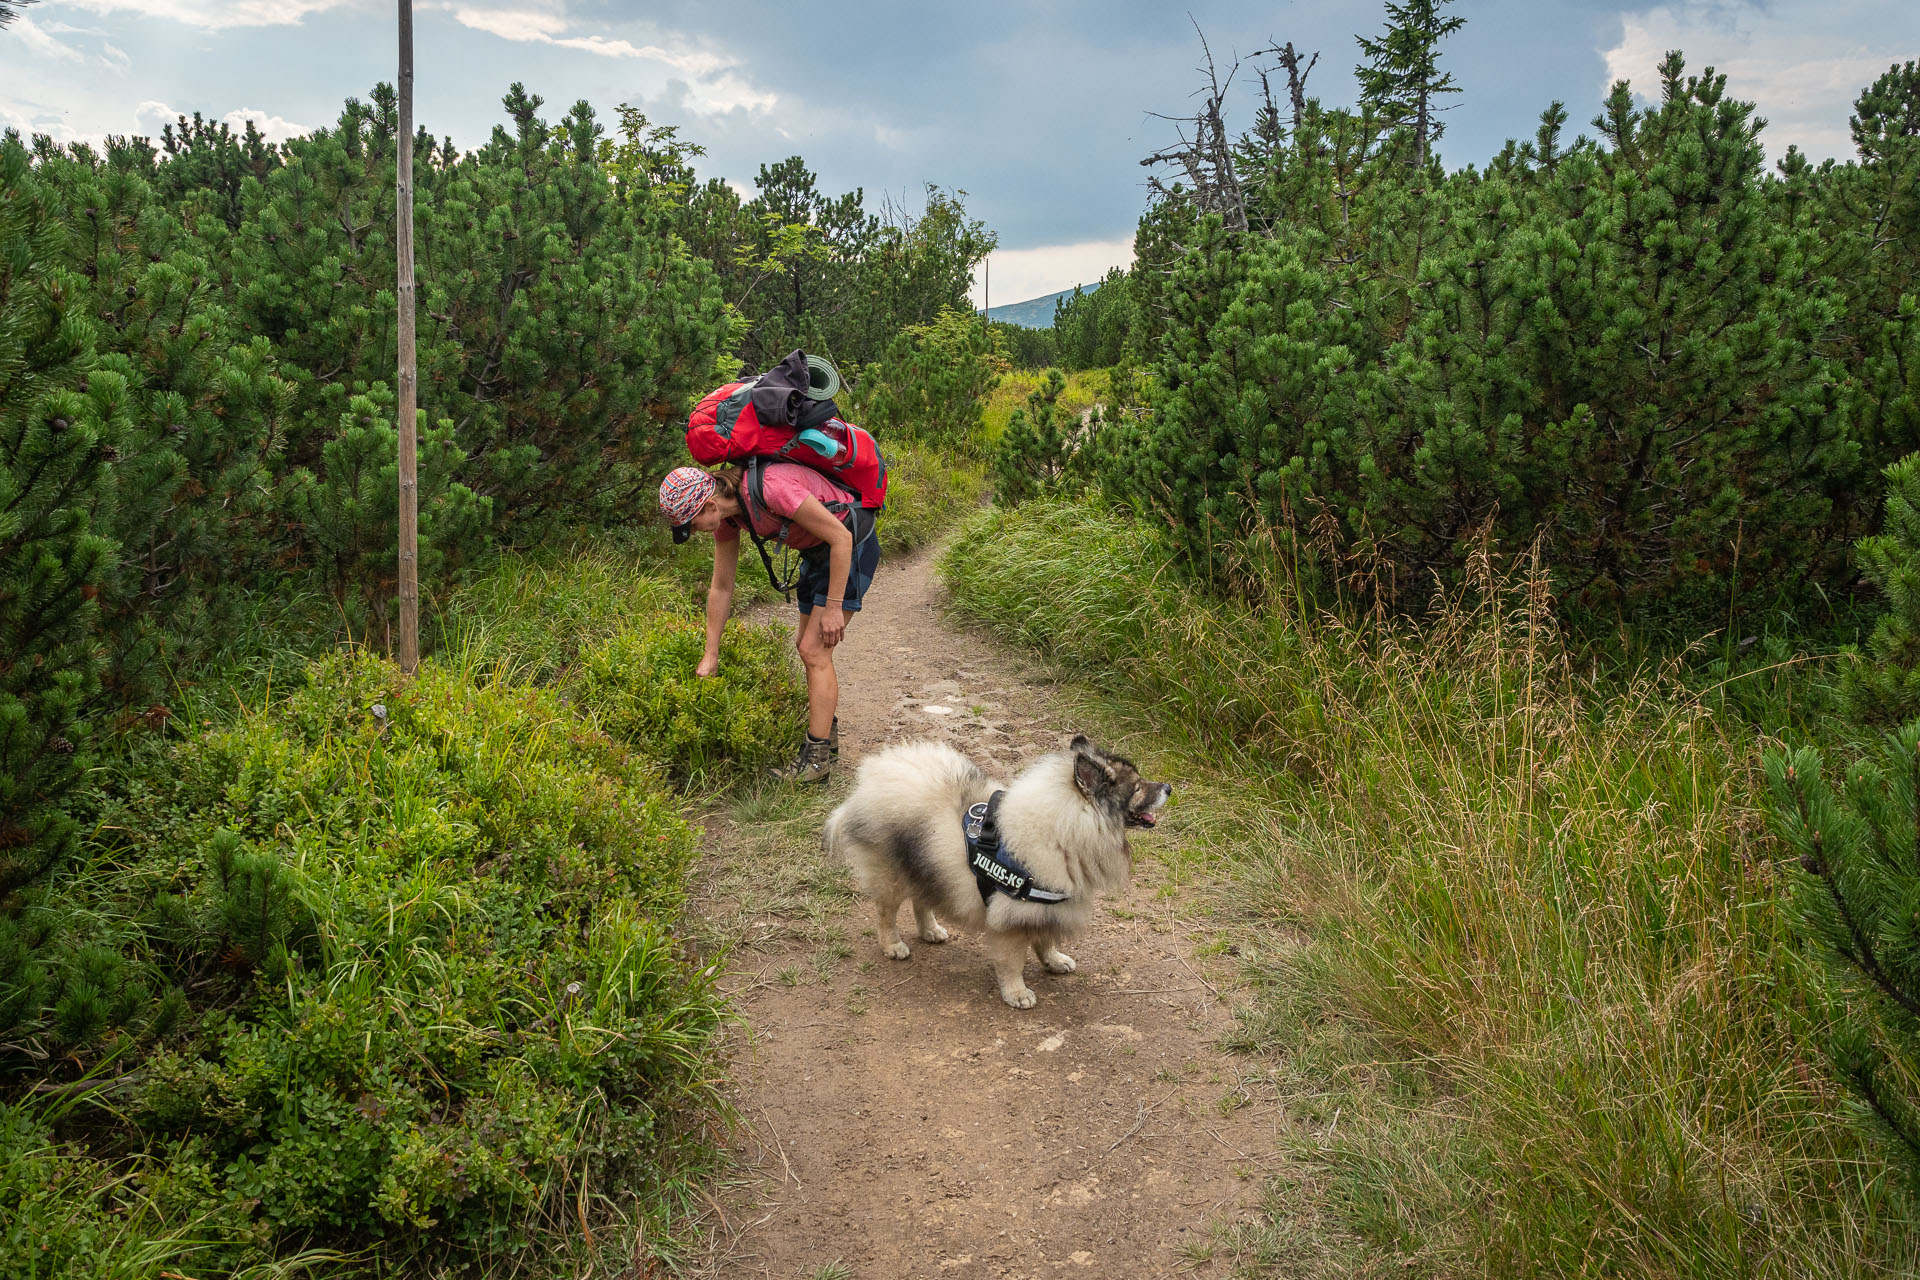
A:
[1039,109]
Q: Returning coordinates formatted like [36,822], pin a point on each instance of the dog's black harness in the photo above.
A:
[994,868]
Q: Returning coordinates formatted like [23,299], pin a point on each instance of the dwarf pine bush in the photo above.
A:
[1883,684]
[1858,899]
[349,509]
[1033,453]
[62,421]
[929,384]
[1680,369]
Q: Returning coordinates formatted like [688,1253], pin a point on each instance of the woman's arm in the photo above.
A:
[817,520]
[726,563]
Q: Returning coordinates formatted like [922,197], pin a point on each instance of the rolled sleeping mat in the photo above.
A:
[823,380]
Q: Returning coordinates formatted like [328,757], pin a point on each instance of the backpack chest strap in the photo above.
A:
[995,869]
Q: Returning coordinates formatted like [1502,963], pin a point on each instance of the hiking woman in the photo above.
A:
[836,569]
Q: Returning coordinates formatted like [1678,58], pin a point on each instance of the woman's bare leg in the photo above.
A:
[823,685]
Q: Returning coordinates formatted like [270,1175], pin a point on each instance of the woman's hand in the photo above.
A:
[820,522]
[709,666]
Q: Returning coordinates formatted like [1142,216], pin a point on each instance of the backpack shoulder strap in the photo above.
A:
[754,494]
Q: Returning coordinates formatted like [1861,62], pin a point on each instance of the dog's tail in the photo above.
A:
[829,842]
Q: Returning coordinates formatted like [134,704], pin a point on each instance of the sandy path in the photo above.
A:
[900,1120]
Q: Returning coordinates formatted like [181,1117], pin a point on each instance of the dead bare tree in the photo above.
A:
[1207,156]
[1296,79]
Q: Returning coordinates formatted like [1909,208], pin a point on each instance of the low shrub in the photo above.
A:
[69,1217]
[435,1000]
[640,685]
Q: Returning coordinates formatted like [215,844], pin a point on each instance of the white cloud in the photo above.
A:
[151,116]
[512,24]
[714,89]
[1803,62]
[39,43]
[547,28]
[274,128]
[1020,274]
[721,95]
[29,118]
[217,15]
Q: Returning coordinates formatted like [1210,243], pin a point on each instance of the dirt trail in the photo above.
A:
[901,1121]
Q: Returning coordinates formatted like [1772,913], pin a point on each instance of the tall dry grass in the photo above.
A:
[1546,894]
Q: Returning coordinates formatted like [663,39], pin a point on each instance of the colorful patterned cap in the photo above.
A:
[682,494]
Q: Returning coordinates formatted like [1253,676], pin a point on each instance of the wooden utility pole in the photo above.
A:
[409,451]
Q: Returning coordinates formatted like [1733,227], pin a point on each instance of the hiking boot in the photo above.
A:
[813,764]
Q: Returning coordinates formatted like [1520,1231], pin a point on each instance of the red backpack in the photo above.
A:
[724,428]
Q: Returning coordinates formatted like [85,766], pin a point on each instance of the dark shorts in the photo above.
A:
[810,592]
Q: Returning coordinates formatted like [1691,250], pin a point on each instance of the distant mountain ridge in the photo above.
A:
[1035,313]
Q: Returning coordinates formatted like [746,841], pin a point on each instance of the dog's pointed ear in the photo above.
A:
[1086,773]
[1080,743]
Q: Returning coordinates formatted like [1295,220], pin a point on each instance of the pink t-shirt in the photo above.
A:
[787,485]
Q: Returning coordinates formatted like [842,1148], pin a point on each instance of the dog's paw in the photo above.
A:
[934,932]
[1058,962]
[897,950]
[1020,997]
